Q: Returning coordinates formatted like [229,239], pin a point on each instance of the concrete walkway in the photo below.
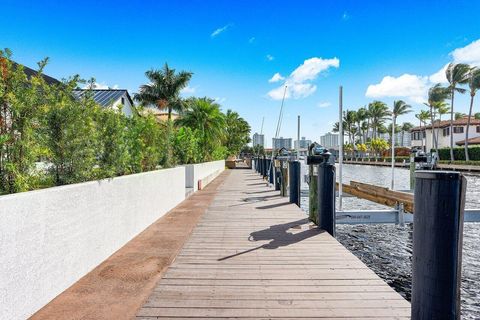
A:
[254,255]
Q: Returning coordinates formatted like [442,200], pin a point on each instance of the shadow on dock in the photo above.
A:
[280,236]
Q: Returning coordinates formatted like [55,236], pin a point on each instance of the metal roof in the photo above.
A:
[104,97]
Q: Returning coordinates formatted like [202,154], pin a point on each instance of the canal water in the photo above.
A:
[387,248]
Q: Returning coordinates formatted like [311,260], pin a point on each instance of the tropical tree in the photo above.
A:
[349,120]
[474,85]
[361,117]
[379,113]
[406,127]
[399,108]
[422,118]
[362,148]
[237,132]
[378,146]
[456,74]
[436,96]
[164,88]
[204,116]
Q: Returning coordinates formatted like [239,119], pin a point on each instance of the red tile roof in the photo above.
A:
[475,140]
[446,123]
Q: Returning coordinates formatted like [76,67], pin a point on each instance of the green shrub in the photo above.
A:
[459,153]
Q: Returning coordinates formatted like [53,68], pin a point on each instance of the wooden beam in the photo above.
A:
[379,194]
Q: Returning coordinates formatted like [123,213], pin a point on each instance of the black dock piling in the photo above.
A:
[437,244]
[294,175]
[326,195]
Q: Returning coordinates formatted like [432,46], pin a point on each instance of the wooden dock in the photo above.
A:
[254,255]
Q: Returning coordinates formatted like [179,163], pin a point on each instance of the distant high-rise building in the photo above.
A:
[330,140]
[258,140]
[302,143]
[282,143]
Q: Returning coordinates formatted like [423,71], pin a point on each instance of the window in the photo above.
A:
[457,129]
[123,100]
[478,129]
[446,131]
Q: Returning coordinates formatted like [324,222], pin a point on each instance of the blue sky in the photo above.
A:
[384,51]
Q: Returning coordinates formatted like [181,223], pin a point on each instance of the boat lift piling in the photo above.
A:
[437,244]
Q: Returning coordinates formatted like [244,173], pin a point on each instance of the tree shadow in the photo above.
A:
[280,236]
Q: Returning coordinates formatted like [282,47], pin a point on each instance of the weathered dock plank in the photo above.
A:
[253,255]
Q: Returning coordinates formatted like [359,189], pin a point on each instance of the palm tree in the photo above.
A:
[204,116]
[422,117]
[362,115]
[237,132]
[349,120]
[379,113]
[456,74]
[406,127]
[474,85]
[164,88]
[436,95]
[399,108]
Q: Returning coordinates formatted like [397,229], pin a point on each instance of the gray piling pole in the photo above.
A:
[284,178]
[437,244]
[270,168]
[326,195]
[294,176]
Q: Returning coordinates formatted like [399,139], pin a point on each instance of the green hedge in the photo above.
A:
[459,153]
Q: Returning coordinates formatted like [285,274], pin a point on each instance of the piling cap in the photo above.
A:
[438,175]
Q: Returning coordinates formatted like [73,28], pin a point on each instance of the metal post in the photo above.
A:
[437,244]
[312,193]
[401,215]
[264,167]
[393,150]
[412,172]
[340,148]
[270,171]
[294,175]
[298,138]
[284,178]
[326,195]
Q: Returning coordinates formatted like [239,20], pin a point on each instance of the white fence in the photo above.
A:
[50,238]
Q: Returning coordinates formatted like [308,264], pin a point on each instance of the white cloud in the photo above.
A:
[415,87]
[469,54]
[251,40]
[311,68]
[324,104]
[188,90]
[218,31]
[276,77]
[439,76]
[409,86]
[299,81]
[100,86]
[270,57]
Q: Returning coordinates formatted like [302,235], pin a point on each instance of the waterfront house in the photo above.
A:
[111,98]
[421,137]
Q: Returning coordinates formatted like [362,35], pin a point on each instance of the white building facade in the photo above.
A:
[258,140]
[422,136]
[282,143]
[330,140]
[302,143]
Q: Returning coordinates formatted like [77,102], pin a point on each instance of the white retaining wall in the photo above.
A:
[204,172]
[50,238]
